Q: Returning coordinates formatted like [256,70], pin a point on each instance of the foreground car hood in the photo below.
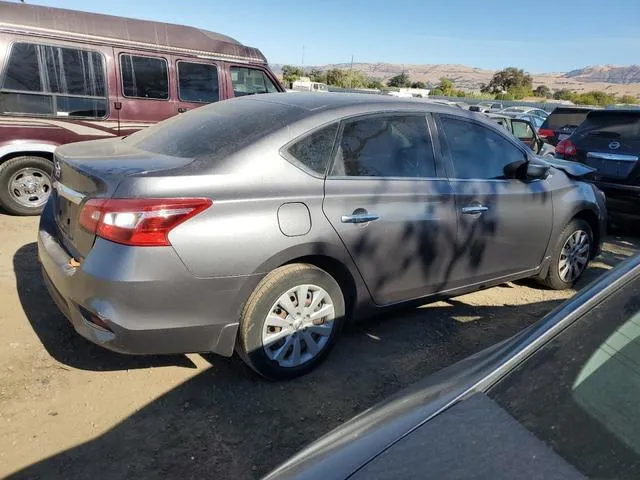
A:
[344,450]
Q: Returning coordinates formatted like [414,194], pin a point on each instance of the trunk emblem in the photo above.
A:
[614,145]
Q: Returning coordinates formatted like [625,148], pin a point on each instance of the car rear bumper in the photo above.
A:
[146,297]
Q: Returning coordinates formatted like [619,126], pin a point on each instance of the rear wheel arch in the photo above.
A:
[340,273]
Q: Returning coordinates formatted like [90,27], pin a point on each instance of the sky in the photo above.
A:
[539,35]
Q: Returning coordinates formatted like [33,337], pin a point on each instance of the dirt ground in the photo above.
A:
[69,409]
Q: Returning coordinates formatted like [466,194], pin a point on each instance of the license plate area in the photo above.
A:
[65,214]
[610,165]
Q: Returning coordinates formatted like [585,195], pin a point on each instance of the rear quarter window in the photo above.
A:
[313,151]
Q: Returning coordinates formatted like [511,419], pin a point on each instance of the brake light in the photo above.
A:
[545,133]
[566,147]
[139,221]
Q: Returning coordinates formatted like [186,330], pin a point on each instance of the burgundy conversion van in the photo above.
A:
[68,76]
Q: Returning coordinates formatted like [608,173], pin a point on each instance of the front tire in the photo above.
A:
[291,321]
[570,256]
[25,185]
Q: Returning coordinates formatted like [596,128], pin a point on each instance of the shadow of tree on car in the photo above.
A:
[58,336]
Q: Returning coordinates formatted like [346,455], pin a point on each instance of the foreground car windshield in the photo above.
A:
[580,393]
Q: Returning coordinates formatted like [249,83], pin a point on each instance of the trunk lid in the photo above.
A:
[94,170]
[609,141]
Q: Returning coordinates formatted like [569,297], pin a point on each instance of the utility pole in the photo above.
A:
[351,73]
[302,57]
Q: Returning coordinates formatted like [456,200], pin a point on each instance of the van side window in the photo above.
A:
[144,77]
[250,81]
[198,82]
[50,80]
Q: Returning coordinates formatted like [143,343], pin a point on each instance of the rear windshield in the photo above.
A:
[565,117]
[611,124]
[217,130]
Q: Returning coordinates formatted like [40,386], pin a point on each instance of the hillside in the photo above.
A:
[611,79]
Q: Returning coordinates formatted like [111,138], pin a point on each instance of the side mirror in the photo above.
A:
[536,171]
[516,169]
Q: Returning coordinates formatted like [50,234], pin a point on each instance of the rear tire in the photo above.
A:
[25,185]
[283,335]
[574,246]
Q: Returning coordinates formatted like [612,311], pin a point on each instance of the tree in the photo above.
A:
[291,73]
[507,79]
[628,99]
[563,94]
[542,91]
[418,85]
[401,80]
[317,75]
[336,77]
[445,89]
[519,92]
[374,83]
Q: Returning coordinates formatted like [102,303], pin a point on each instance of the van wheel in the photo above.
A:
[571,255]
[25,185]
[291,321]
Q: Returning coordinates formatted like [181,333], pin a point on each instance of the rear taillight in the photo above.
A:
[144,222]
[545,133]
[566,147]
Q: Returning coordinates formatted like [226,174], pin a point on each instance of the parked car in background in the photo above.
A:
[557,401]
[609,141]
[61,84]
[533,119]
[259,224]
[538,112]
[485,107]
[561,123]
[524,131]
[461,105]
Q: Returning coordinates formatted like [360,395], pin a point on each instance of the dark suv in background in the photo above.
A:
[609,141]
[561,123]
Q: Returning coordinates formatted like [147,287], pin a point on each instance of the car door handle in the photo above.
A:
[474,209]
[181,109]
[359,218]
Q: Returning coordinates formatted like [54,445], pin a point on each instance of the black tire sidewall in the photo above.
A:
[253,321]
[553,278]
[7,169]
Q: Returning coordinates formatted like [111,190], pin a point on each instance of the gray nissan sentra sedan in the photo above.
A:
[259,224]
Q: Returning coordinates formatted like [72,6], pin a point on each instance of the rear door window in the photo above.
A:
[198,82]
[61,81]
[385,146]
[144,77]
[251,81]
